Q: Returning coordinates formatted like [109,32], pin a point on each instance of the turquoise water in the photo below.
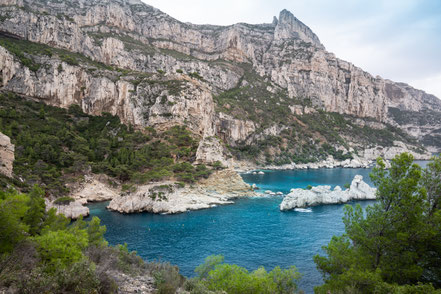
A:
[250,233]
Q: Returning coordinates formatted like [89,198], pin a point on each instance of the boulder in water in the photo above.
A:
[319,195]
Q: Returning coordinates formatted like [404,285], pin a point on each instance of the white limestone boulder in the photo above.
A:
[320,195]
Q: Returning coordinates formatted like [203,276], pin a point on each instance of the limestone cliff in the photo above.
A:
[233,86]
[6,155]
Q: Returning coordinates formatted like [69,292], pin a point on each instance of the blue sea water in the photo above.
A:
[250,233]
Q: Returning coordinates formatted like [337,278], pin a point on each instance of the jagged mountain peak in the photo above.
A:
[289,26]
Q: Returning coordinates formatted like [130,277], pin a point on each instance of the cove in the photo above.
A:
[250,233]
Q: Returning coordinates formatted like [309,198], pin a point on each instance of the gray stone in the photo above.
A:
[320,195]
[6,155]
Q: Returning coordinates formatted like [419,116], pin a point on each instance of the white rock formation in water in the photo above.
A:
[168,198]
[319,195]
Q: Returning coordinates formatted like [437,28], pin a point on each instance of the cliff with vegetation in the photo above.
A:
[266,94]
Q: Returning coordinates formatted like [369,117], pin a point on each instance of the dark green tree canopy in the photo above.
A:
[393,246]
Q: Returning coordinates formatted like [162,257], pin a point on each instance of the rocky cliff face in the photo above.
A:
[130,59]
[6,155]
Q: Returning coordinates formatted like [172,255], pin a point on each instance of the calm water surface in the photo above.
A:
[250,233]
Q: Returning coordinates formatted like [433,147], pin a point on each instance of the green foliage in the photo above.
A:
[55,146]
[168,279]
[79,277]
[215,275]
[346,185]
[69,59]
[27,52]
[61,249]
[41,253]
[392,242]
[35,216]
[13,208]
[209,264]
[21,54]
[309,187]
[196,75]
[217,165]
[96,233]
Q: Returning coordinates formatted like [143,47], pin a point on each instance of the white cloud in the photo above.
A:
[432,85]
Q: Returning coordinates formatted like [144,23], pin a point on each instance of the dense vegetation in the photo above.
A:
[55,146]
[216,276]
[393,246]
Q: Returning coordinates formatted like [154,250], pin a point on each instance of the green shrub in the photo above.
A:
[61,249]
[13,208]
[55,146]
[196,75]
[167,279]
[215,275]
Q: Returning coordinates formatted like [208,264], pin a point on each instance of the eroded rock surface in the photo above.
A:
[6,155]
[73,210]
[319,195]
[95,188]
[168,198]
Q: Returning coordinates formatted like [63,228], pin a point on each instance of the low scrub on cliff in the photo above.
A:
[27,52]
[314,136]
[56,146]
[304,133]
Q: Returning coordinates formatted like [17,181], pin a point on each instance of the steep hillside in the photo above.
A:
[266,93]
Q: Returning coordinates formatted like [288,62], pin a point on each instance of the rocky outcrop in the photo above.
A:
[72,210]
[168,198]
[319,195]
[6,156]
[94,188]
[134,283]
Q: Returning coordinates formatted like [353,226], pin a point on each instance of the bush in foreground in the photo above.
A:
[394,245]
[216,276]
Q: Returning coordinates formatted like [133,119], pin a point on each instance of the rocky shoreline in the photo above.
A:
[367,160]
[169,198]
[221,188]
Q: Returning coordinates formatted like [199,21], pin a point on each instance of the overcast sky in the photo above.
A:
[396,39]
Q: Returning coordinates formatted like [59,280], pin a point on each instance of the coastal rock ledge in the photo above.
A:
[169,198]
[319,195]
